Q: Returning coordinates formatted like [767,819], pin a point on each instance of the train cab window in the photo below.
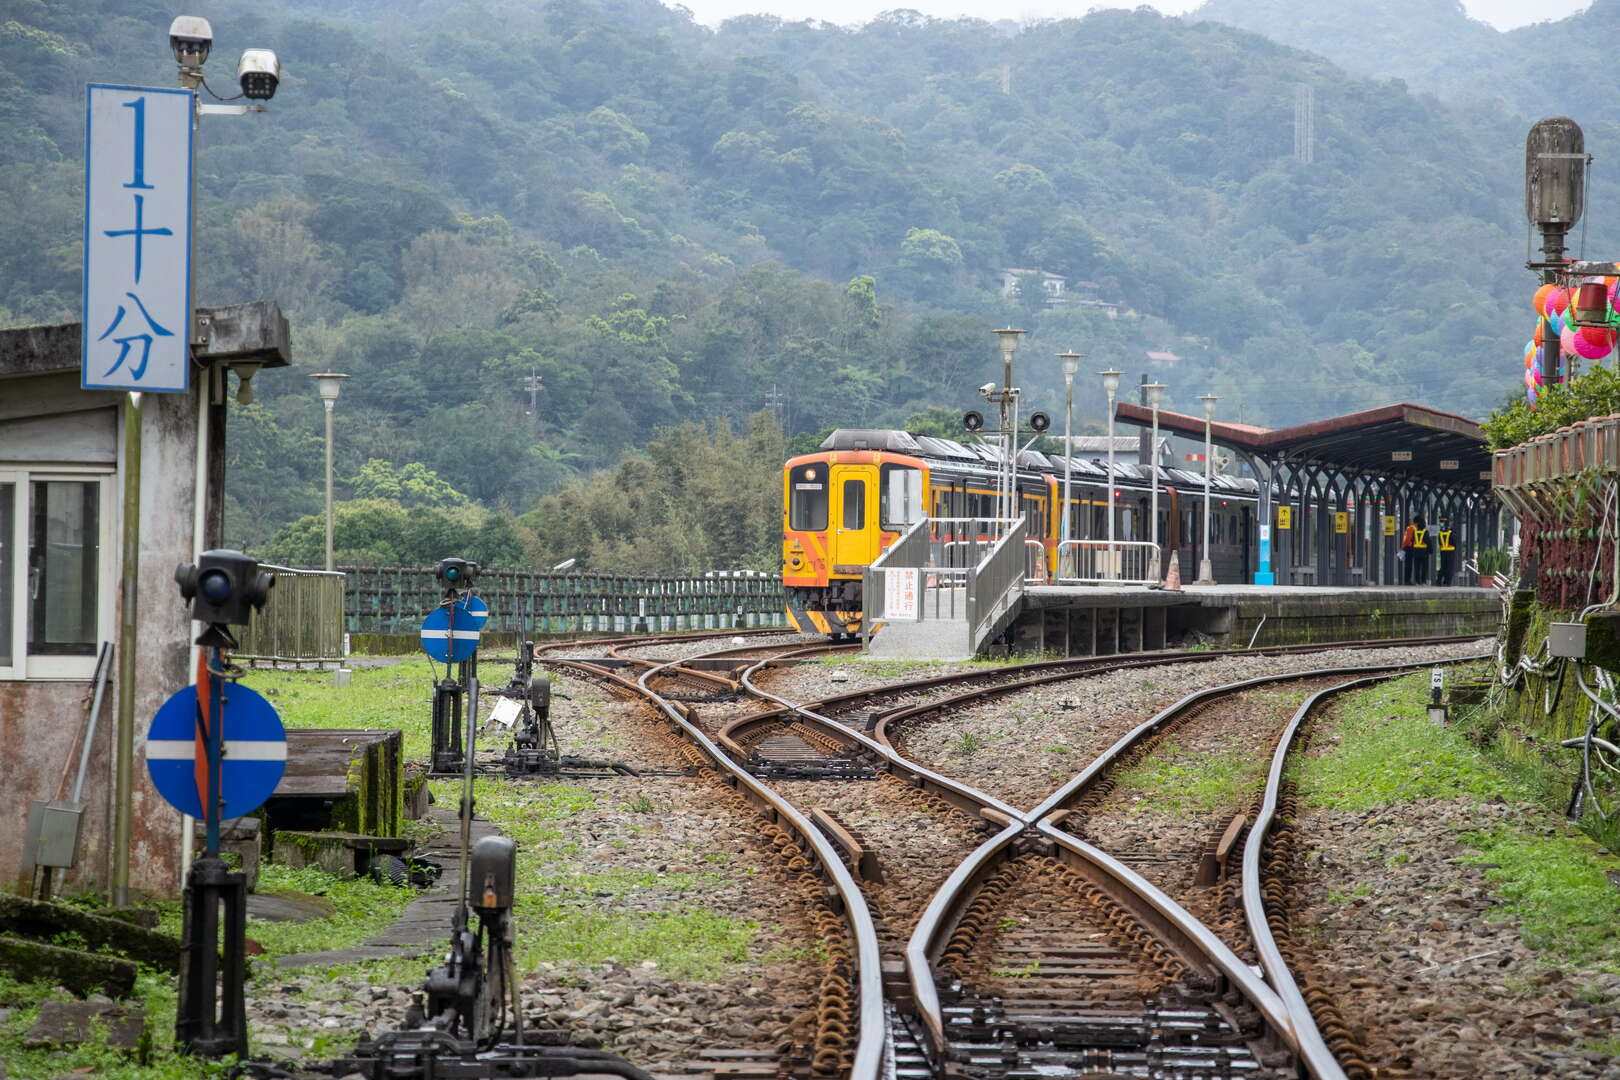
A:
[807,501]
[854,504]
[901,500]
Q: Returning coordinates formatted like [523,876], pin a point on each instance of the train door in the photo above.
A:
[854,543]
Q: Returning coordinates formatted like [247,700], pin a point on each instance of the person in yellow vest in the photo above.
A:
[1446,570]
[1415,552]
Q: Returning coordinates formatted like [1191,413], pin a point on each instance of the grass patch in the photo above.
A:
[1178,781]
[363,909]
[1556,887]
[1389,752]
[565,910]
[154,991]
[397,696]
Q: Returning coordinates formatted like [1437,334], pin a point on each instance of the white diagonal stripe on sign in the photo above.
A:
[235,750]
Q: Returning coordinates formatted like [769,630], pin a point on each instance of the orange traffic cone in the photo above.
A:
[1172,576]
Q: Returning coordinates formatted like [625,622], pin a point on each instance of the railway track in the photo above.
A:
[845,1035]
[1039,953]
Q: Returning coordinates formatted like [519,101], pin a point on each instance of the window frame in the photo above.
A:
[41,667]
[798,474]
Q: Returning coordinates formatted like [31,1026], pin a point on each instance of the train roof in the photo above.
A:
[981,456]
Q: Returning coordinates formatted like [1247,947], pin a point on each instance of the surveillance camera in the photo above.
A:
[191,37]
[259,71]
[987,387]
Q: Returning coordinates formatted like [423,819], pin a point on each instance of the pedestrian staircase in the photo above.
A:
[945,588]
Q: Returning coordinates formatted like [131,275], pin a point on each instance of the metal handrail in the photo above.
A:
[1131,555]
[996,583]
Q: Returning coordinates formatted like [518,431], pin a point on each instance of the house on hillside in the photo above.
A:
[1054,284]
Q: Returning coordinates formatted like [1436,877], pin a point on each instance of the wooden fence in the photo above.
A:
[302,622]
[394,599]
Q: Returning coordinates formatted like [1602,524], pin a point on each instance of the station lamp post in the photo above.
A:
[1155,397]
[1110,379]
[1206,568]
[1007,341]
[1071,366]
[329,383]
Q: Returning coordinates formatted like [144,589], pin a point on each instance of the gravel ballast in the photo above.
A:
[1023,746]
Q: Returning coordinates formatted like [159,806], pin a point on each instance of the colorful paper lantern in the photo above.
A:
[1566,340]
[1540,302]
[1588,351]
[1595,335]
[1558,300]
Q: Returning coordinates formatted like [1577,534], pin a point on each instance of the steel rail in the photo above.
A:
[1072,667]
[954,791]
[1313,1048]
[872,1041]
[868,1058]
[1100,764]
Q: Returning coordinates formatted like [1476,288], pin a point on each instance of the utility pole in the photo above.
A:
[532,385]
[1555,164]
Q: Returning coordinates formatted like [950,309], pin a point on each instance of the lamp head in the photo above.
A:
[329,383]
[1110,379]
[1008,340]
[1155,393]
[1209,401]
[1070,365]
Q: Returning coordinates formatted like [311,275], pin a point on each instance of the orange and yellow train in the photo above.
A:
[845,504]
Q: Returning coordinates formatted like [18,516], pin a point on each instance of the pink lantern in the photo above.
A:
[1588,351]
[1595,335]
[1566,339]
[1558,300]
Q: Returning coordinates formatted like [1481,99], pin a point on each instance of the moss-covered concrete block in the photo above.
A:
[84,973]
[44,921]
[1603,640]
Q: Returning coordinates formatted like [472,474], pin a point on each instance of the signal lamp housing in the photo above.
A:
[224,587]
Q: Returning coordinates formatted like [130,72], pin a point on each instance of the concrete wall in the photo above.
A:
[41,721]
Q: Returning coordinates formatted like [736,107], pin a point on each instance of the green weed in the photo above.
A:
[1178,781]
[968,744]
[1389,752]
[1556,887]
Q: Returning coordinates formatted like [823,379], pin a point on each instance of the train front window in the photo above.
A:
[854,504]
[900,504]
[807,498]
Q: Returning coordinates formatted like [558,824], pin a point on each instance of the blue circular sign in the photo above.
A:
[255,752]
[450,632]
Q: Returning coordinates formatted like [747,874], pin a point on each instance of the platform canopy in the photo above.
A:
[1406,441]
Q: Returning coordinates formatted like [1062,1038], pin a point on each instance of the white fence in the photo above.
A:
[1100,562]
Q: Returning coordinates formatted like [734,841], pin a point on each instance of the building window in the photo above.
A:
[64,549]
[55,573]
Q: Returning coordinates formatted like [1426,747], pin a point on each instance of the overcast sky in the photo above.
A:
[1503,14]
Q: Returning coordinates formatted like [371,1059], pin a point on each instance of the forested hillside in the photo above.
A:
[664,223]
[1434,46]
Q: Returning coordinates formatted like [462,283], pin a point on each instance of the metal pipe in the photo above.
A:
[1111,482]
[103,670]
[330,404]
[1153,471]
[128,634]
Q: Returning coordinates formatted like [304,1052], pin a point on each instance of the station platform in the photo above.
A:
[1096,620]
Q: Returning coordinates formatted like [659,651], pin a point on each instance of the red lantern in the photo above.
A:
[1591,302]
